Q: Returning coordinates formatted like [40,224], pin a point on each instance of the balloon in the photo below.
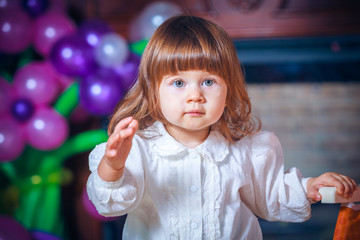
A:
[35,7]
[22,110]
[128,71]
[100,92]
[151,18]
[15,31]
[10,229]
[73,56]
[93,30]
[90,208]
[12,141]
[49,28]
[35,82]
[112,50]
[6,96]
[47,129]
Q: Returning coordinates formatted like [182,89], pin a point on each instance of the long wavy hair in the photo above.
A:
[185,43]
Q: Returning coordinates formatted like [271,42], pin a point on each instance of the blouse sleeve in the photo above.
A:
[270,192]
[119,197]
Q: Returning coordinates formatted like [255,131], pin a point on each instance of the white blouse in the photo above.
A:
[213,191]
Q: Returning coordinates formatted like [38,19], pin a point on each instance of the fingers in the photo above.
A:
[345,186]
[124,130]
[123,124]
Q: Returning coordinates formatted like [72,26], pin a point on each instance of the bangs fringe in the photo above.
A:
[193,49]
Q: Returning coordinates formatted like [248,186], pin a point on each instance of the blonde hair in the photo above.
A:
[189,43]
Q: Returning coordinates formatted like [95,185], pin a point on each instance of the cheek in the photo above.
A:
[166,109]
[219,96]
[167,104]
[218,104]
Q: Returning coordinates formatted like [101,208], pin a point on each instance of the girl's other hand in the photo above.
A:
[117,150]
[345,186]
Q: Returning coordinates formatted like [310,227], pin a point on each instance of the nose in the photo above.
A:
[195,95]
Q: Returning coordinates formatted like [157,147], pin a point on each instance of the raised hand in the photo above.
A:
[118,146]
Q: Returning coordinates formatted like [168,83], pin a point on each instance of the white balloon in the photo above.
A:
[144,25]
[111,51]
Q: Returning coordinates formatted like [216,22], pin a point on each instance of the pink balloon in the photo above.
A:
[6,96]
[12,141]
[15,31]
[47,129]
[49,28]
[36,82]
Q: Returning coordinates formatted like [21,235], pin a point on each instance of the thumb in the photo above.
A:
[314,194]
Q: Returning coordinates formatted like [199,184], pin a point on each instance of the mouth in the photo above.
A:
[194,113]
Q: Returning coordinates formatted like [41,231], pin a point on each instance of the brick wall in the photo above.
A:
[317,124]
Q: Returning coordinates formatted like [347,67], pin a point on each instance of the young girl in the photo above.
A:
[185,159]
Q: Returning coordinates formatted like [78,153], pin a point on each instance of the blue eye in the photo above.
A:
[178,83]
[208,82]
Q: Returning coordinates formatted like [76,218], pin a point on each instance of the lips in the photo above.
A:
[194,113]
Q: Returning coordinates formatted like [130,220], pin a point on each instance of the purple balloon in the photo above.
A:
[35,7]
[91,210]
[128,71]
[47,129]
[22,110]
[49,28]
[93,30]
[10,229]
[6,96]
[15,31]
[100,92]
[12,140]
[35,82]
[73,56]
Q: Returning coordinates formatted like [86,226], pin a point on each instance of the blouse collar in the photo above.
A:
[215,147]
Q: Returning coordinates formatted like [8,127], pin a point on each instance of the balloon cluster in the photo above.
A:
[26,22]
[26,115]
[101,60]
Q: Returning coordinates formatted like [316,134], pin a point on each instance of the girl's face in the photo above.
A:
[192,101]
